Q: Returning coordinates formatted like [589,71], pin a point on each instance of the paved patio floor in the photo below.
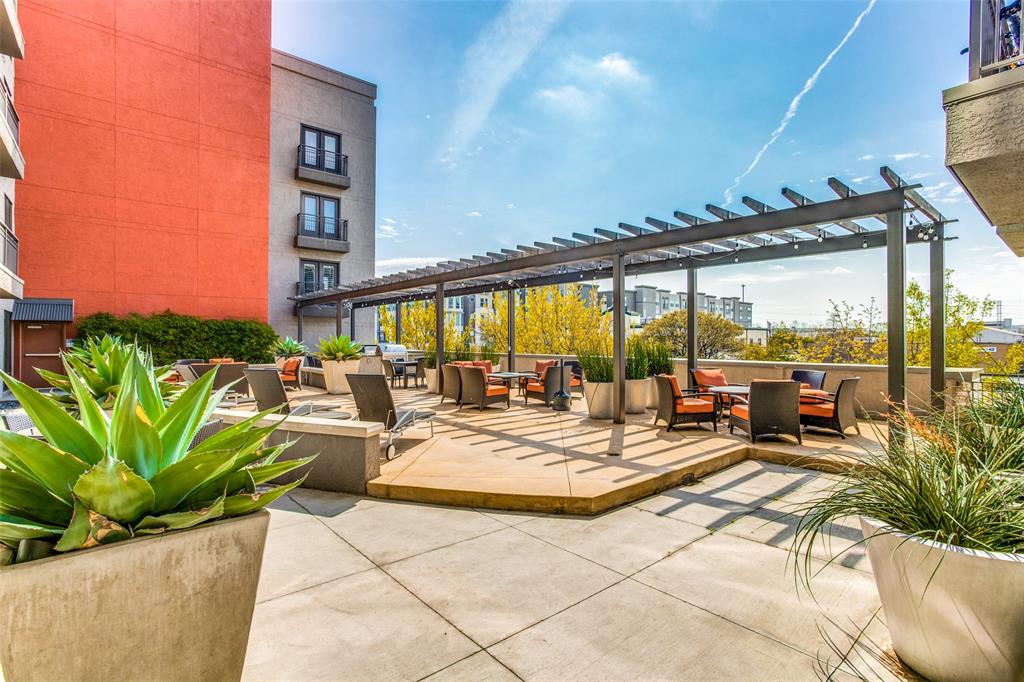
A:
[695,583]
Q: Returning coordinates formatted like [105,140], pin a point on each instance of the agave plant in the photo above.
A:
[289,348]
[104,477]
[101,363]
[339,348]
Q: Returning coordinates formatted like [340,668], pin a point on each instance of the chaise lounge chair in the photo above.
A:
[376,404]
[269,390]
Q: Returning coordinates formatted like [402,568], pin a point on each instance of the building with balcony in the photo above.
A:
[984,130]
[323,129]
[649,303]
[12,168]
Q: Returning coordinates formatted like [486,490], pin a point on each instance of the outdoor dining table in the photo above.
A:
[509,377]
[722,392]
[406,365]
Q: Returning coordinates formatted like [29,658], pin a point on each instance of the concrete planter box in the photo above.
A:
[953,613]
[335,372]
[600,400]
[637,393]
[166,607]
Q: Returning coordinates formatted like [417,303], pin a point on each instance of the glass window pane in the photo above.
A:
[328,275]
[308,277]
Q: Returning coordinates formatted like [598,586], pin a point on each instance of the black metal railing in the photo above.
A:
[9,113]
[10,253]
[995,41]
[321,226]
[307,287]
[323,159]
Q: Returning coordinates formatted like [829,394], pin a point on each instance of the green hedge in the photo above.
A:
[173,337]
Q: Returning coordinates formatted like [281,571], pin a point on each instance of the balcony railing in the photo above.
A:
[323,159]
[8,113]
[310,287]
[995,42]
[308,225]
[10,250]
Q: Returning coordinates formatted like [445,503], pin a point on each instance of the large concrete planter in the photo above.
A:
[335,372]
[637,393]
[431,380]
[163,607]
[953,613]
[600,399]
[652,395]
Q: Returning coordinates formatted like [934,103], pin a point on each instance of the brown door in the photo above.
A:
[41,343]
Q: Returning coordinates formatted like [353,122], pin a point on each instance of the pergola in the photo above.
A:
[890,218]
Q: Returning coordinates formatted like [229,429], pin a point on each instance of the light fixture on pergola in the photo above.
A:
[889,218]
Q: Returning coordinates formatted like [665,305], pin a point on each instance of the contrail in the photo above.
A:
[795,104]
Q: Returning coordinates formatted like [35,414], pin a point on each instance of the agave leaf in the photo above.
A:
[146,389]
[238,436]
[54,379]
[174,483]
[22,496]
[89,529]
[98,385]
[235,505]
[92,416]
[133,439]
[51,468]
[114,491]
[178,425]
[15,528]
[59,427]
[237,478]
[264,473]
[179,520]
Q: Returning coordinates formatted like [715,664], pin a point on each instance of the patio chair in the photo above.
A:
[290,373]
[551,380]
[421,372]
[576,380]
[186,372]
[682,406]
[538,368]
[452,387]
[772,409]
[375,403]
[389,372]
[705,379]
[814,379]
[227,373]
[477,391]
[208,429]
[837,412]
[269,391]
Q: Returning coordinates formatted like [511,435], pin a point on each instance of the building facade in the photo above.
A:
[649,303]
[12,168]
[323,129]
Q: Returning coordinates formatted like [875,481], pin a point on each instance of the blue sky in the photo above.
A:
[507,122]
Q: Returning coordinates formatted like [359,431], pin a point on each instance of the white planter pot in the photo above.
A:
[953,613]
[175,606]
[334,375]
[431,380]
[652,395]
[637,393]
[600,401]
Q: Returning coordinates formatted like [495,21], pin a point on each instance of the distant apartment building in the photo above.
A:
[12,168]
[995,342]
[323,131]
[649,303]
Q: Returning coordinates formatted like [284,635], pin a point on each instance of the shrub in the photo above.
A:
[339,348]
[289,348]
[596,362]
[659,354]
[637,358]
[171,337]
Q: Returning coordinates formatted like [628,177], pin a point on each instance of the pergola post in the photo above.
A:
[618,339]
[691,325]
[937,314]
[352,323]
[511,331]
[896,304]
[398,322]
[298,331]
[439,334]
[338,315]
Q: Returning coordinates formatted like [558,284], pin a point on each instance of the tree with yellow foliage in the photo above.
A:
[418,327]
[548,320]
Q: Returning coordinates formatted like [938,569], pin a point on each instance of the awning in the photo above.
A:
[44,310]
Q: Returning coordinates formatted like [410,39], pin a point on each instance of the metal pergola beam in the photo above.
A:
[896,305]
[937,315]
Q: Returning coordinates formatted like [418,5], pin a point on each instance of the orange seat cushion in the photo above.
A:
[540,365]
[494,389]
[740,411]
[288,376]
[535,386]
[810,396]
[486,364]
[694,406]
[672,379]
[573,382]
[710,377]
[826,410]
[218,361]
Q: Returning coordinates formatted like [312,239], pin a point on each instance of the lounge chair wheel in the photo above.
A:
[390,452]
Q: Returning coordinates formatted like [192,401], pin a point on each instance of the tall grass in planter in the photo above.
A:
[638,381]
[598,373]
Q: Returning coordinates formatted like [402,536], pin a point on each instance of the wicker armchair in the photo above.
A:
[704,379]
[773,409]
[477,391]
[814,379]
[837,412]
[290,373]
[682,406]
[452,387]
[551,380]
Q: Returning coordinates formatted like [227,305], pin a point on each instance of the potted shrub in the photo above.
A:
[340,357]
[118,523]
[288,348]
[638,380]
[598,372]
[942,512]
[659,358]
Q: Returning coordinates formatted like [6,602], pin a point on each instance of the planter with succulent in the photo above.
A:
[659,358]
[340,357]
[943,521]
[638,379]
[288,348]
[119,521]
[598,374]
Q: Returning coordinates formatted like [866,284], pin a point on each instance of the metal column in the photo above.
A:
[896,305]
[398,322]
[511,331]
[298,332]
[618,339]
[937,304]
[339,313]
[352,323]
[691,325]
[439,333]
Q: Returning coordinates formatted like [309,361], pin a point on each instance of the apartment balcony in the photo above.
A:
[324,310]
[11,286]
[321,233]
[985,119]
[12,163]
[12,42]
[322,166]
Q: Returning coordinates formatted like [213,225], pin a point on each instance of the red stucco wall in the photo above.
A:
[145,126]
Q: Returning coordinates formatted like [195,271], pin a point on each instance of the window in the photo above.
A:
[9,214]
[317,275]
[321,150]
[319,217]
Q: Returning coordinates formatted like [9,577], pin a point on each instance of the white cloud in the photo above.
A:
[905,155]
[860,180]
[389,221]
[866,157]
[510,206]
[570,100]
[391,265]
[839,270]
[587,82]
[387,231]
[500,50]
[474,214]
[794,105]
[611,69]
